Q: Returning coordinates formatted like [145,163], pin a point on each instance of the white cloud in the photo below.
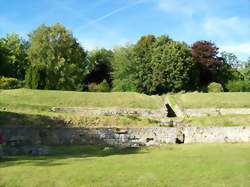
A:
[226,27]
[186,7]
[242,50]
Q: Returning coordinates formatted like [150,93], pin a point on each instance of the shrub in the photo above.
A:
[103,86]
[92,87]
[215,87]
[9,83]
[238,86]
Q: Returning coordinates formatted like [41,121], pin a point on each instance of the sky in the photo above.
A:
[109,23]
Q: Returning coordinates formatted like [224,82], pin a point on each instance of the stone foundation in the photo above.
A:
[217,134]
[113,111]
[124,137]
[216,111]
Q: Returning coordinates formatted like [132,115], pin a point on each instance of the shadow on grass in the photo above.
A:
[11,118]
[59,154]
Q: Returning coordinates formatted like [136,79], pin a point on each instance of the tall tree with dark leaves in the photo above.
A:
[206,56]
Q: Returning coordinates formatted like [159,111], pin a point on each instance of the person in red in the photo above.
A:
[1,144]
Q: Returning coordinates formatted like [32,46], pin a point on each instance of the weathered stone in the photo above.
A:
[215,111]
[123,136]
[113,111]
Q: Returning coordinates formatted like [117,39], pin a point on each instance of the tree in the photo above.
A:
[123,69]
[229,70]
[15,52]
[142,56]
[205,54]
[173,66]
[142,63]
[154,65]
[99,66]
[231,59]
[246,70]
[57,59]
[5,66]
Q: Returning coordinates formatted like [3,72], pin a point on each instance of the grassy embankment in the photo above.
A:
[215,100]
[29,107]
[33,107]
[173,165]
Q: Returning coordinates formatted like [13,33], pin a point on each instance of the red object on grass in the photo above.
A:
[1,138]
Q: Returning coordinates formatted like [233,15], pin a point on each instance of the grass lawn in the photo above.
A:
[171,165]
[43,100]
[214,100]
[219,121]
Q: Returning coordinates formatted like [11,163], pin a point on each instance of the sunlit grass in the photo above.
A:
[171,165]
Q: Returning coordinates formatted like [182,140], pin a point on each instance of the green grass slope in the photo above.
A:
[44,99]
[33,107]
[214,100]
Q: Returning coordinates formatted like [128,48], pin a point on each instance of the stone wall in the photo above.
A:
[217,134]
[129,137]
[113,111]
[172,102]
[124,137]
[216,111]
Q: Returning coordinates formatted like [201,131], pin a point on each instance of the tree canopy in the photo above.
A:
[52,58]
[57,59]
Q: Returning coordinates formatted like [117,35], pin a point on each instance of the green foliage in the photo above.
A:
[103,86]
[153,65]
[57,58]
[238,86]
[99,67]
[9,83]
[246,70]
[172,67]
[231,59]
[13,56]
[228,73]
[123,69]
[142,68]
[215,87]
[35,77]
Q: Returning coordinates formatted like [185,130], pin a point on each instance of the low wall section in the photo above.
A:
[128,137]
[114,111]
[216,111]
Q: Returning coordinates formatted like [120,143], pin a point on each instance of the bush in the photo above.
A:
[9,83]
[215,87]
[102,87]
[92,87]
[238,86]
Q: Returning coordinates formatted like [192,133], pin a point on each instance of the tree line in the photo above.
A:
[53,59]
